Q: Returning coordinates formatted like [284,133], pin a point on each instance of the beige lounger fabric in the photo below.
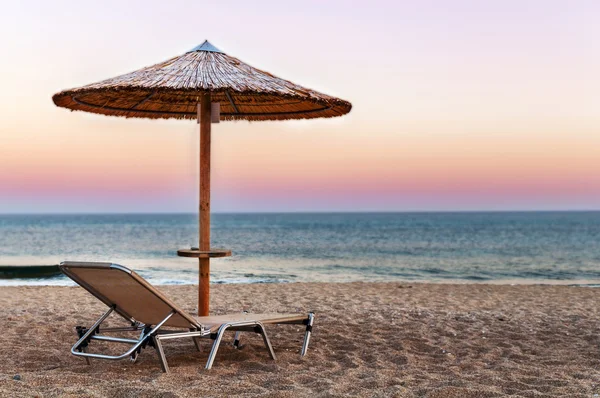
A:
[132,295]
[213,322]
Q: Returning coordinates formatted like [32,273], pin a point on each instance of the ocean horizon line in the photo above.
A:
[306,212]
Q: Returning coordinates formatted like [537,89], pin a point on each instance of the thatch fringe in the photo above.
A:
[171,89]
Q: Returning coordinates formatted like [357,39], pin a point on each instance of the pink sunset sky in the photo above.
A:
[457,105]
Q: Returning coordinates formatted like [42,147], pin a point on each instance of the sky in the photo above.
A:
[457,106]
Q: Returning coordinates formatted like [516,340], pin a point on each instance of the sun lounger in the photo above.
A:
[159,319]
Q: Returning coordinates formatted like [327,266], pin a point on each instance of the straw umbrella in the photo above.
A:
[208,85]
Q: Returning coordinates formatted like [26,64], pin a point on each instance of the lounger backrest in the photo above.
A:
[132,296]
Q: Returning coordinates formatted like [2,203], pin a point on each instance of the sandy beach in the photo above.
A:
[370,339]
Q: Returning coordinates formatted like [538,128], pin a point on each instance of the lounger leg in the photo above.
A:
[197,343]
[87,359]
[263,332]
[161,354]
[236,340]
[215,346]
[309,325]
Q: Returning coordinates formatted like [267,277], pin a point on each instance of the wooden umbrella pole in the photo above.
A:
[204,119]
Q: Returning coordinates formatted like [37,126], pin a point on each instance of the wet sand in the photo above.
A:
[370,339]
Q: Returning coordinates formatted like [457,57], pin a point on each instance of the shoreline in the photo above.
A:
[501,282]
[370,339]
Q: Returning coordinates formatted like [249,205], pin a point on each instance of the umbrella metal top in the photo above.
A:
[172,89]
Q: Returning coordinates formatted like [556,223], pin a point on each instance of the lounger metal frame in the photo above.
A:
[153,335]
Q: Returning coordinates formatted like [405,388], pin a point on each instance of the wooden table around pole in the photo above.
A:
[204,251]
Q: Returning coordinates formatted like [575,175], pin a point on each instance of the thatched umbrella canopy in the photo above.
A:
[188,87]
[172,89]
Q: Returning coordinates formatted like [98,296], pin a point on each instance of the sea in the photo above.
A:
[469,247]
